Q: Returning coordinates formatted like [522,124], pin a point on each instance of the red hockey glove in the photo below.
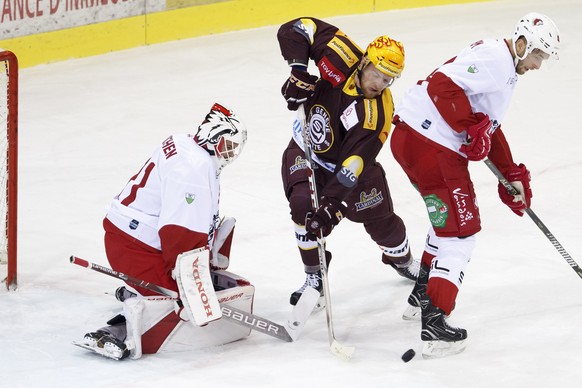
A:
[328,215]
[298,88]
[478,138]
[519,177]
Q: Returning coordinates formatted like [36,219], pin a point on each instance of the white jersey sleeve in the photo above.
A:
[178,186]
[485,71]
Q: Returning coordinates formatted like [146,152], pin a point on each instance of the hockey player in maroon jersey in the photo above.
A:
[452,117]
[349,111]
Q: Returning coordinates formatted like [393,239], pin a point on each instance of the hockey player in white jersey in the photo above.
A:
[452,117]
[169,207]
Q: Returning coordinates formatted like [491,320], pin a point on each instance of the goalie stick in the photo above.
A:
[513,191]
[230,313]
[344,352]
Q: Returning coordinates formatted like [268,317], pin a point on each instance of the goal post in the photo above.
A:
[8,164]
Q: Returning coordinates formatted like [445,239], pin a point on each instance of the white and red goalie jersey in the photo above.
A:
[171,204]
[482,78]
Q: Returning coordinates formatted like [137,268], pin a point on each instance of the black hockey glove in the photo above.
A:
[327,216]
[298,88]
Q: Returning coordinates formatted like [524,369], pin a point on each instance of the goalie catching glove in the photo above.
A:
[519,177]
[327,216]
[298,88]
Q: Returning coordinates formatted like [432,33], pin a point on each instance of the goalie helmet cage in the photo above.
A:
[8,163]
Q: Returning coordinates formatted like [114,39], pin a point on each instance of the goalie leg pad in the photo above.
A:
[192,273]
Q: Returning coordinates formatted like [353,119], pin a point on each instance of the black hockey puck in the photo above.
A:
[408,355]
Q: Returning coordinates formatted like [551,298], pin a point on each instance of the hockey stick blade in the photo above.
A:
[343,352]
[262,325]
[302,311]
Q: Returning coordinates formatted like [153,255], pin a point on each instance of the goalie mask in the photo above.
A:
[222,135]
[540,32]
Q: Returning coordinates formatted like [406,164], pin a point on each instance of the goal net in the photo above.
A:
[8,165]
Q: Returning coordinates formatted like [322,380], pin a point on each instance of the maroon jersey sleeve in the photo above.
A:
[334,53]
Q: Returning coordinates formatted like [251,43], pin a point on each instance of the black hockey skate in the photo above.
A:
[440,338]
[412,312]
[312,280]
[105,344]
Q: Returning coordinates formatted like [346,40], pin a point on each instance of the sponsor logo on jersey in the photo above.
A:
[369,200]
[344,52]
[133,224]
[370,114]
[320,133]
[349,117]
[461,204]
[190,198]
[438,212]
[300,164]
[426,124]
[329,72]
[350,171]
[473,69]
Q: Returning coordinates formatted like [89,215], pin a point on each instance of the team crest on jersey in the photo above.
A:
[438,211]
[320,133]
[300,164]
[190,198]
[369,200]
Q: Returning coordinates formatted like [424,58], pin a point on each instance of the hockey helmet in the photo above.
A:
[387,55]
[540,32]
[222,134]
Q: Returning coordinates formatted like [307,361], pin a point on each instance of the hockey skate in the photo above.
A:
[440,338]
[408,270]
[412,312]
[105,344]
[312,280]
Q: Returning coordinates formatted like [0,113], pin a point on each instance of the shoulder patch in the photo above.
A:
[343,51]
[307,28]
[329,72]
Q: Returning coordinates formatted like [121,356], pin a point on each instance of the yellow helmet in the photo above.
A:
[387,55]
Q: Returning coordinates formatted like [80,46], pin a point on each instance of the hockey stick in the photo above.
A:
[336,348]
[513,191]
[230,313]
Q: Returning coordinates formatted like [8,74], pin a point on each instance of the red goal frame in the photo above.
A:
[10,62]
